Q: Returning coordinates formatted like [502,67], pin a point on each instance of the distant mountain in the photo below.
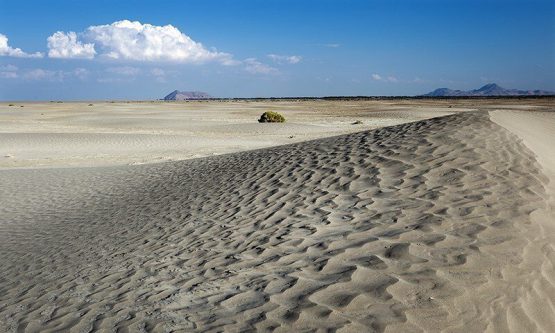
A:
[186,95]
[490,89]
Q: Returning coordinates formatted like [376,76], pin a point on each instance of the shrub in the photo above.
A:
[90,105]
[271,117]
[11,105]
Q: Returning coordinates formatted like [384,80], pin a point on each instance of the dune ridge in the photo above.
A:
[415,227]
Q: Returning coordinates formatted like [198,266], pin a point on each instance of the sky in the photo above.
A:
[141,50]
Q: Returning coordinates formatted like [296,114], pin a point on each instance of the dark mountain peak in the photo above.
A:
[489,86]
[443,92]
[177,95]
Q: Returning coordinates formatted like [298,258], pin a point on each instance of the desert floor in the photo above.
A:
[76,134]
[431,215]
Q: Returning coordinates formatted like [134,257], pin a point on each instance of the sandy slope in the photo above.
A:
[423,226]
[537,296]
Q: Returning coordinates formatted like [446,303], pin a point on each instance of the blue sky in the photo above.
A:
[250,48]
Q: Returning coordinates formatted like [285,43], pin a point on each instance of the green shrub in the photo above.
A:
[271,117]
[11,105]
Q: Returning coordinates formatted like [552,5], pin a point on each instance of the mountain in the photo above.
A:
[490,89]
[186,95]
[444,92]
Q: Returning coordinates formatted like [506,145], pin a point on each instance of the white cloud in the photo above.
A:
[332,45]
[8,68]
[8,72]
[6,50]
[39,74]
[129,40]
[8,75]
[44,74]
[285,59]
[124,70]
[133,40]
[81,73]
[253,66]
[145,42]
[65,45]
[378,77]
[158,72]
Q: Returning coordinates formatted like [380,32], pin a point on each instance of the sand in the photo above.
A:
[78,135]
[442,224]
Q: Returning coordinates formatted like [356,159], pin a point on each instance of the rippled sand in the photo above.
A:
[443,224]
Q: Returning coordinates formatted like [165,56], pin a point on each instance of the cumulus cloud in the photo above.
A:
[136,41]
[65,45]
[7,50]
[376,77]
[253,66]
[280,59]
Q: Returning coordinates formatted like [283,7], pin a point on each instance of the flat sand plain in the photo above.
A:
[76,134]
[441,221]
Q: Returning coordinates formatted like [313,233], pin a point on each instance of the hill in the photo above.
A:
[490,89]
[186,95]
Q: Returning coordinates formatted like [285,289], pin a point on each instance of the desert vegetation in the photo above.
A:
[271,117]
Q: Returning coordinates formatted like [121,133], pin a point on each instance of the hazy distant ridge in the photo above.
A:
[491,89]
[186,95]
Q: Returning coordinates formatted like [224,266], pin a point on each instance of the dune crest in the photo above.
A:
[415,227]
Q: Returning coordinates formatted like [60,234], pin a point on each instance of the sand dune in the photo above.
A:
[424,226]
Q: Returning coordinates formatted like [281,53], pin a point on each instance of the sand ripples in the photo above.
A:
[406,228]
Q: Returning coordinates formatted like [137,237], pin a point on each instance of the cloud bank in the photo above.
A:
[40,74]
[8,72]
[124,70]
[280,59]
[8,51]
[129,40]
